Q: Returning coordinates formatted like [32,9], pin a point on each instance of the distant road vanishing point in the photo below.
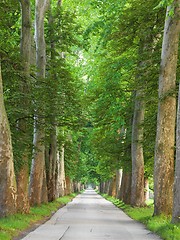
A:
[90,217]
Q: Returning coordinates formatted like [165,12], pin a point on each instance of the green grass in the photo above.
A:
[13,225]
[161,225]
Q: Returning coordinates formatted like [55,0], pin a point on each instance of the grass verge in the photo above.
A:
[160,225]
[13,225]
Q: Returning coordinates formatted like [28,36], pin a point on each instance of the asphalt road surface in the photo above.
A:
[90,217]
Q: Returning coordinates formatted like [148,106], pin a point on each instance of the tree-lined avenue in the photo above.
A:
[89,97]
[91,217]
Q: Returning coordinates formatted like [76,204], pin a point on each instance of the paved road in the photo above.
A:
[90,217]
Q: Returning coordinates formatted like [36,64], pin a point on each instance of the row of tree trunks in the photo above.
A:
[112,186]
[165,135]
[40,189]
[121,185]
[77,187]
[104,187]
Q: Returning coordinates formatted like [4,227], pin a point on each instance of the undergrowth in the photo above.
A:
[161,225]
[13,225]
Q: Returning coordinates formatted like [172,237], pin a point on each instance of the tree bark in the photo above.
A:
[8,189]
[101,187]
[146,189]
[165,136]
[137,186]
[61,180]
[118,182]
[68,186]
[55,187]
[125,190]
[44,195]
[23,205]
[38,163]
[112,187]
[176,202]
[37,168]
[58,175]
[52,166]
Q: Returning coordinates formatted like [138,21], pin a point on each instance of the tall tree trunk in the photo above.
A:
[118,182]
[62,179]
[38,164]
[8,189]
[125,190]
[107,186]
[112,187]
[176,202]
[165,136]
[44,195]
[23,174]
[37,168]
[102,186]
[146,189]
[52,166]
[75,186]
[137,191]
[68,186]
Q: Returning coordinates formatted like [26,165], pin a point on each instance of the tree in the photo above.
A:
[23,172]
[165,137]
[38,164]
[137,186]
[176,202]
[8,189]
[60,175]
